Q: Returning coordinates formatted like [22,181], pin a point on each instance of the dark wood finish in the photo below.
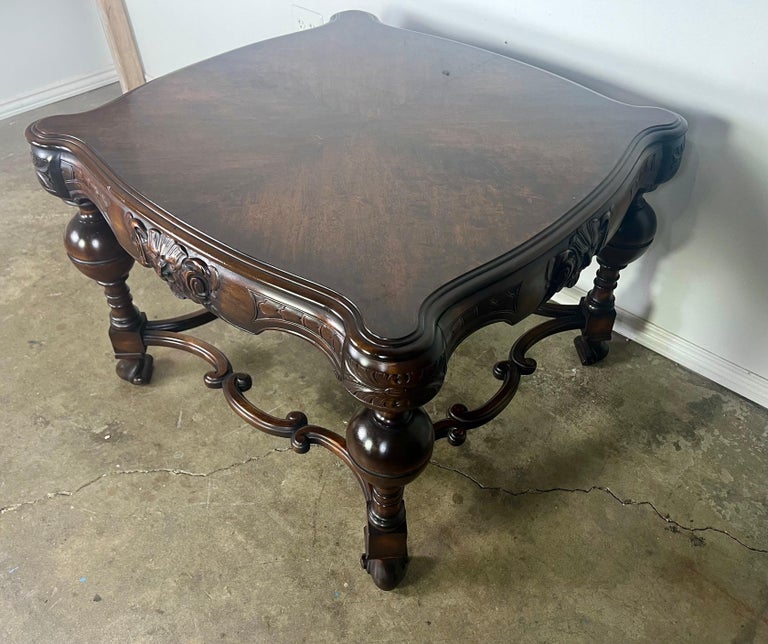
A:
[93,249]
[630,241]
[378,192]
[404,442]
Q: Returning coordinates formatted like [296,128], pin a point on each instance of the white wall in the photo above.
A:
[50,50]
[175,33]
[700,295]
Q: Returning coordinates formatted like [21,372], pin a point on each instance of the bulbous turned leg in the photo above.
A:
[389,450]
[630,241]
[93,249]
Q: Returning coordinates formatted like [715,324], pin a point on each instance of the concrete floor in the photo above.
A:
[622,502]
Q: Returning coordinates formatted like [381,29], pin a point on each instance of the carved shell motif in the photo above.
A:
[565,268]
[188,277]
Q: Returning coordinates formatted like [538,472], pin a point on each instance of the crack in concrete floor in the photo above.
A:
[676,526]
[158,470]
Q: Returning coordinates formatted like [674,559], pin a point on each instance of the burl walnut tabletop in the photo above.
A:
[378,192]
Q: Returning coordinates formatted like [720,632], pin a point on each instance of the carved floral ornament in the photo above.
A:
[565,268]
[188,277]
[383,390]
[279,315]
[371,385]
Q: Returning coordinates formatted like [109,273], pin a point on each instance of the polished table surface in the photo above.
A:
[379,192]
[314,154]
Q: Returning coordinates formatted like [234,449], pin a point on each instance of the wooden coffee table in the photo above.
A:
[380,193]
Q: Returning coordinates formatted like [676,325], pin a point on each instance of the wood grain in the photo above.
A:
[380,163]
[122,43]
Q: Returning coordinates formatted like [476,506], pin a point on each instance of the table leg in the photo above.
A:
[630,241]
[94,250]
[386,541]
[388,450]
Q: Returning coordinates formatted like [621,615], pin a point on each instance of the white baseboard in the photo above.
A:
[57,92]
[731,376]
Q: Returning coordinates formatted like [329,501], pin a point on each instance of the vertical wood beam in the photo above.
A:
[122,43]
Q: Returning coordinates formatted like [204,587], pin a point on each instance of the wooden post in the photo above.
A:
[117,27]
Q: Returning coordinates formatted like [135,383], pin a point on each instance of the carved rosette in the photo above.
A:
[565,268]
[188,277]
[393,391]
